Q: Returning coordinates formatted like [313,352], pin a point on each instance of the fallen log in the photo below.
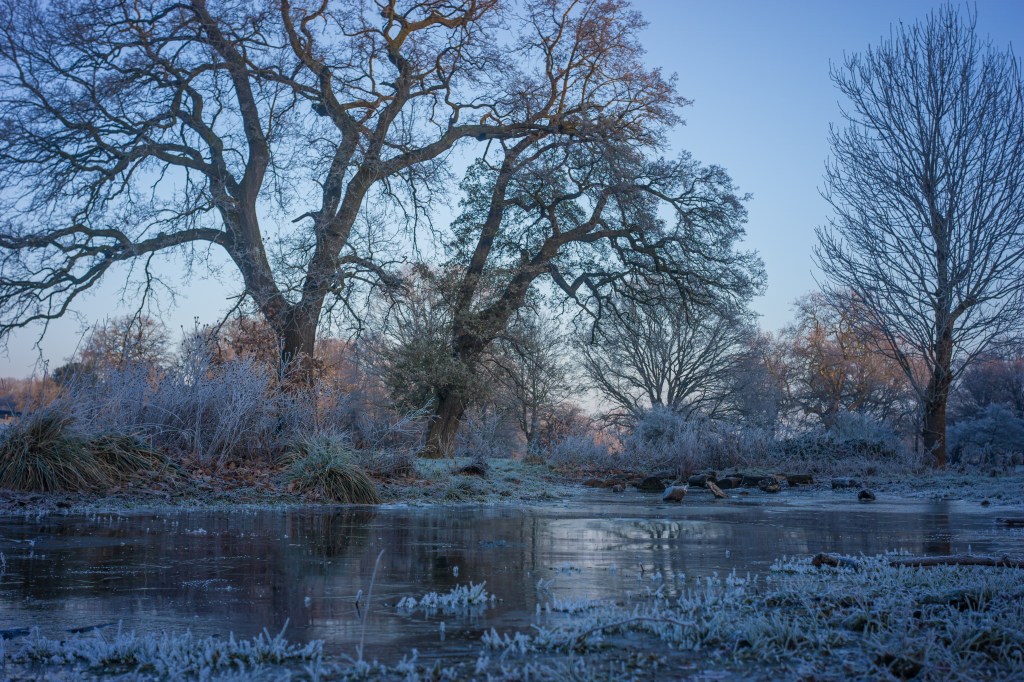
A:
[834,561]
[958,560]
[11,633]
[1011,522]
[715,490]
[581,639]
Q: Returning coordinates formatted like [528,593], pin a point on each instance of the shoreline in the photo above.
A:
[507,483]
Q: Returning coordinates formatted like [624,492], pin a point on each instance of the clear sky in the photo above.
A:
[757,71]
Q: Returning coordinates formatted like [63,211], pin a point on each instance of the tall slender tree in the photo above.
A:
[536,373]
[926,184]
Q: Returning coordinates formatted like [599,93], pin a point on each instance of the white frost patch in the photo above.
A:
[171,656]
[462,598]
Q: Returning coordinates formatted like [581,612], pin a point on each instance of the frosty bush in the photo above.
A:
[214,412]
[385,441]
[580,452]
[663,440]
[370,422]
[213,409]
[857,441]
[995,435]
[486,435]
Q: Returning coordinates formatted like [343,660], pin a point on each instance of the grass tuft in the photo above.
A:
[324,470]
[127,459]
[40,453]
[43,453]
[460,599]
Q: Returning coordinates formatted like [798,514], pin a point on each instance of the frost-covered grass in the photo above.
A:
[162,656]
[872,621]
[878,622]
[507,481]
[460,599]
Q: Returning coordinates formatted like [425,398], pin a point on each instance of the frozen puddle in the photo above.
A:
[215,572]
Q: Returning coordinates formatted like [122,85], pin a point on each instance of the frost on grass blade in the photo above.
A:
[460,599]
[166,655]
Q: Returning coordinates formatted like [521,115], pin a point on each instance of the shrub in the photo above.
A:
[370,421]
[386,440]
[236,409]
[994,434]
[663,440]
[857,442]
[324,469]
[579,452]
[194,409]
[486,435]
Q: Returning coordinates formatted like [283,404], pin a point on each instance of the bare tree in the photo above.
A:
[535,371]
[243,337]
[285,134]
[996,379]
[760,384]
[927,188]
[834,365]
[660,353]
[123,341]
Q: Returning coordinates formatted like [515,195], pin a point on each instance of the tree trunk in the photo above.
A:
[298,343]
[933,430]
[445,424]
[933,426]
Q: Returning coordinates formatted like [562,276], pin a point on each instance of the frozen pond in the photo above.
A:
[241,571]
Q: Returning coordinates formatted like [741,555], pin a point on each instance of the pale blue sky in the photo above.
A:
[763,101]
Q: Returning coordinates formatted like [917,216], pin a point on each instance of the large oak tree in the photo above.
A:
[296,137]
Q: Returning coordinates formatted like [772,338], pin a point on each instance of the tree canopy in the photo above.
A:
[299,139]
